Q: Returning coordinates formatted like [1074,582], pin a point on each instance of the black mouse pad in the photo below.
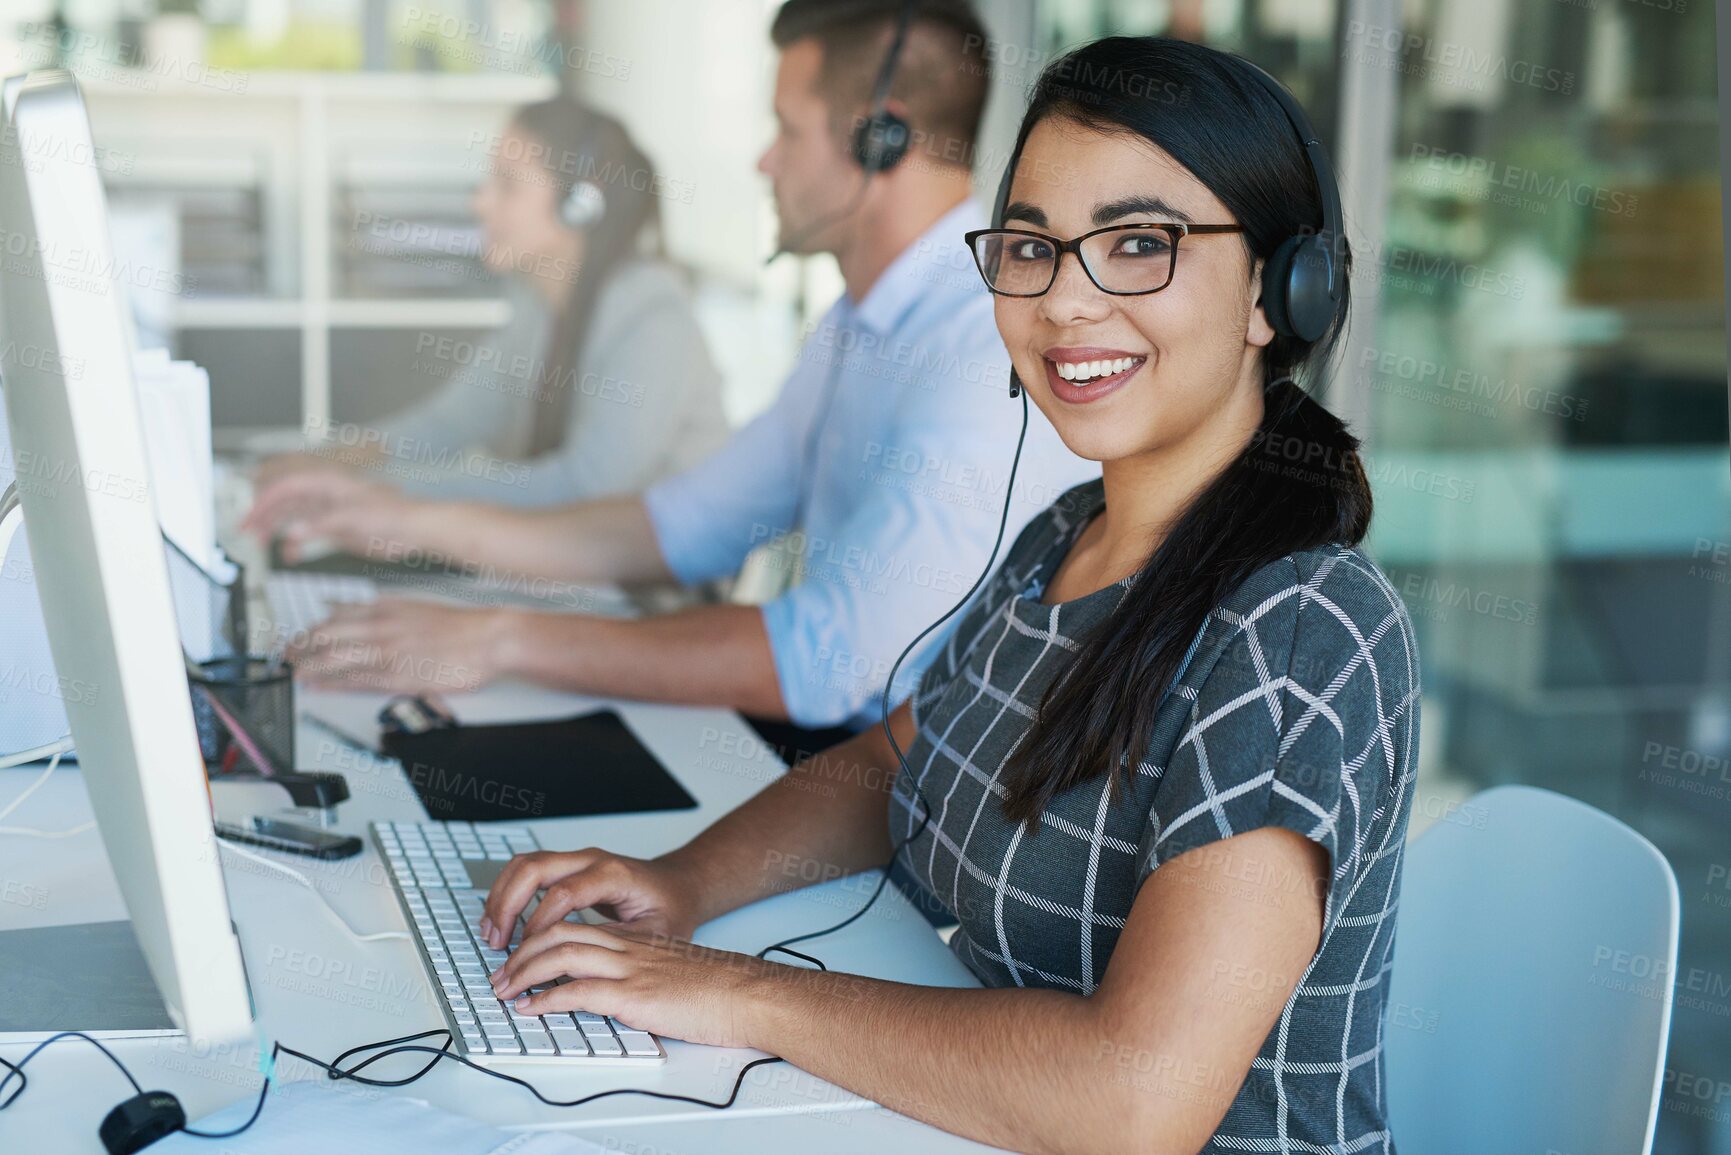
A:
[588,764]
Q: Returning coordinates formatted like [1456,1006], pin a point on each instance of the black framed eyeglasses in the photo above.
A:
[1124,260]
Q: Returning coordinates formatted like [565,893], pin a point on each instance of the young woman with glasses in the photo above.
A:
[1162,767]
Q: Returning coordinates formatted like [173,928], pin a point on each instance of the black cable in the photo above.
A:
[16,1070]
[889,683]
[270,1073]
[407,1044]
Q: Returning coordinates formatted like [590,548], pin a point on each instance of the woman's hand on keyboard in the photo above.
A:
[654,897]
[361,516]
[648,980]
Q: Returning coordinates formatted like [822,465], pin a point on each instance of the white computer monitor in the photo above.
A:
[78,448]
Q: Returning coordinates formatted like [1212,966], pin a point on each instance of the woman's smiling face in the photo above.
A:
[1120,376]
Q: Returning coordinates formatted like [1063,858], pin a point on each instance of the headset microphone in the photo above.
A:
[880,140]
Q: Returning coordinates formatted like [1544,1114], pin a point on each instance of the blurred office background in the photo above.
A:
[1538,361]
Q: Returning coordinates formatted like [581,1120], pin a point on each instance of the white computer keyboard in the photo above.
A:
[440,872]
[300,601]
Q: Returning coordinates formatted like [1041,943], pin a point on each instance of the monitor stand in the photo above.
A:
[88,976]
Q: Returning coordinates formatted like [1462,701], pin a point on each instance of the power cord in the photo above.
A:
[59,746]
[380,936]
[58,750]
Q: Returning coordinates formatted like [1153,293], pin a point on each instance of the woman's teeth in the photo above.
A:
[1089,370]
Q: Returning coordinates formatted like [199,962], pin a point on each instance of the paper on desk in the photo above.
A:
[174,399]
[319,1115]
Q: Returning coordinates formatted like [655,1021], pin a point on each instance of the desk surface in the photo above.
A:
[320,991]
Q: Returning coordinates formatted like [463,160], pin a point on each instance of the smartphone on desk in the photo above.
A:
[291,838]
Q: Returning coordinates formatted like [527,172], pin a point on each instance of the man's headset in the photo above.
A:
[1301,282]
[880,140]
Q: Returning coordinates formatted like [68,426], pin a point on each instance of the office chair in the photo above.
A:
[1535,954]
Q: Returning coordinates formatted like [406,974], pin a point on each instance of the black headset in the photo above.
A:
[1301,282]
[882,138]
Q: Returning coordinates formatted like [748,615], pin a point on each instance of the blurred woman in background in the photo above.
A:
[600,382]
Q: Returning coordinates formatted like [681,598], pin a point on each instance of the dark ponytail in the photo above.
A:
[584,143]
[1297,484]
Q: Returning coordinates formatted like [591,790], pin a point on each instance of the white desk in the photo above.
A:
[321,992]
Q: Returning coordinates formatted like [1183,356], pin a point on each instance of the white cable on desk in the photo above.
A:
[61,746]
[381,936]
[58,749]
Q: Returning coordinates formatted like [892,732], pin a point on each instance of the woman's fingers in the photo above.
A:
[521,879]
[596,995]
[568,951]
[608,881]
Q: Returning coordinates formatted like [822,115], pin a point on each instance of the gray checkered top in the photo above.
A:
[1298,708]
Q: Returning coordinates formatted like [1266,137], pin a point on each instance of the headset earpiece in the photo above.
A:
[584,205]
[882,137]
[1296,287]
[880,141]
[1301,285]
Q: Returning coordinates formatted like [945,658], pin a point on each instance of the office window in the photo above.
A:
[1546,391]
[1538,368]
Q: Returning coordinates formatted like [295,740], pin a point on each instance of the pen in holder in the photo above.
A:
[245,711]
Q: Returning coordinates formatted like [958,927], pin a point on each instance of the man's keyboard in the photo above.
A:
[440,872]
[300,601]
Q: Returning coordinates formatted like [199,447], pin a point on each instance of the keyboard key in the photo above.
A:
[538,1043]
[570,1043]
[638,1043]
[427,868]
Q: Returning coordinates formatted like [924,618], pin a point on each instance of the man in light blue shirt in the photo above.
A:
[903,400]
[880,470]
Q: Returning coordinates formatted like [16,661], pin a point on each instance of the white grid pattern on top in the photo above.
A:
[1298,709]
